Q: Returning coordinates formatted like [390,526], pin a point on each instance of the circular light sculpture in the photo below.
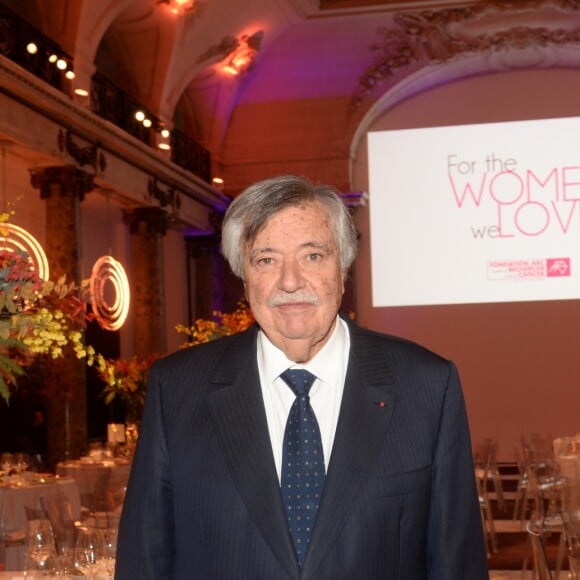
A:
[18,239]
[110,295]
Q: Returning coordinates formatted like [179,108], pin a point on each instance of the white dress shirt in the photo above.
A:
[329,366]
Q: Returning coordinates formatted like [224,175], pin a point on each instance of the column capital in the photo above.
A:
[151,220]
[62,179]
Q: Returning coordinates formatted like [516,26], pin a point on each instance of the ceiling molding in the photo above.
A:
[434,37]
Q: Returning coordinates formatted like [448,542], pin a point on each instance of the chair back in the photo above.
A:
[541,566]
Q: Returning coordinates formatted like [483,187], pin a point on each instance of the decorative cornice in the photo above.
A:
[63,179]
[169,197]
[433,37]
[83,155]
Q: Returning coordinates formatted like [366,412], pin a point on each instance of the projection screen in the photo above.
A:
[475,213]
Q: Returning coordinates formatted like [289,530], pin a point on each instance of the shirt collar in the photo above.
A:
[273,361]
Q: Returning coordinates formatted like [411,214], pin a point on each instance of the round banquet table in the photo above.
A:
[88,474]
[15,498]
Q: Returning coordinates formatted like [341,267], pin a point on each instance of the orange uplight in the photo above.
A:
[240,61]
[179,6]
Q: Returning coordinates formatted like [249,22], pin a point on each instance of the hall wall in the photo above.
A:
[519,362]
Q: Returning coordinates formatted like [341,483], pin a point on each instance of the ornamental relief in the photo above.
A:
[433,37]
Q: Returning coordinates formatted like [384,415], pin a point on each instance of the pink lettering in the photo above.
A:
[506,187]
[528,215]
[532,177]
[556,208]
[468,190]
[571,187]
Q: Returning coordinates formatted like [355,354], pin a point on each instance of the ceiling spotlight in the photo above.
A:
[70,75]
[82,92]
[165,133]
[147,123]
[140,116]
[52,58]
[165,146]
[61,64]
[31,48]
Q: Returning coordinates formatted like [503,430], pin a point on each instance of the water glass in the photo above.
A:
[40,557]
[90,548]
[72,563]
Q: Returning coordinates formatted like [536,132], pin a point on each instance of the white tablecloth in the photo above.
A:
[15,499]
[87,475]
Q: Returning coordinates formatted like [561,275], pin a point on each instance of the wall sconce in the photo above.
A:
[163,142]
[218,183]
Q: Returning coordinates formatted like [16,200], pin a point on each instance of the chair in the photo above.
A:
[486,470]
[107,501]
[541,566]
[58,511]
[571,520]
[9,539]
[483,465]
[548,491]
[522,496]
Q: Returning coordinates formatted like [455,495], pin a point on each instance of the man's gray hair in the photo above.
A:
[251,209]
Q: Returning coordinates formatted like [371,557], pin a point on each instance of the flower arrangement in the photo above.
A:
[222,325]
[37,317]
[126,380]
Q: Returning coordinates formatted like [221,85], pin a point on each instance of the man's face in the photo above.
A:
[293,280]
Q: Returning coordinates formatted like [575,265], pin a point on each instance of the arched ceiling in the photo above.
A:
[356,50]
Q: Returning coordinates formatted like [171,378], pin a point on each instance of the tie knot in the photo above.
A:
[299,380]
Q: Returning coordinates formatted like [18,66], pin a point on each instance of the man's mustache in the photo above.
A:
[295,297]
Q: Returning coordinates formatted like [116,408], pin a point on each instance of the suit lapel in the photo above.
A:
[237,409]
[367,406]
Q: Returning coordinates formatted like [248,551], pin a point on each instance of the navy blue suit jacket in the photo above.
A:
[399,502]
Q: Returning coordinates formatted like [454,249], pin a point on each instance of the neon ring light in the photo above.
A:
[108,277]
[20,240]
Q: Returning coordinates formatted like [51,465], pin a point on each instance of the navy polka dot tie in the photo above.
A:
[302,462]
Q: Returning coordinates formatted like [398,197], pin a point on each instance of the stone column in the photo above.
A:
[206,277]
[213,286]
[147,226]
[63,188]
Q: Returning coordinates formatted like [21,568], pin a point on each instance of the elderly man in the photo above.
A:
[305,447]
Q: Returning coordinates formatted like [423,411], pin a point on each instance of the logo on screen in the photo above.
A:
[557,267]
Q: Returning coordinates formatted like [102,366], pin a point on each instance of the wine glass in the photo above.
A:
[21,462]
[109,550]
[6,463]
[90,549]
[72,561]
[40,558]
